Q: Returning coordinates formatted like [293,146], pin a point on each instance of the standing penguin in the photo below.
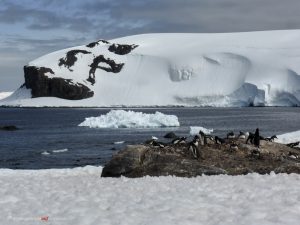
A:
[256,139]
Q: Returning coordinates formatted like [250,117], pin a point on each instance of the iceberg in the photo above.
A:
[131,119]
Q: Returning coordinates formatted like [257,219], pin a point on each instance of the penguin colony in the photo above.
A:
[202,139]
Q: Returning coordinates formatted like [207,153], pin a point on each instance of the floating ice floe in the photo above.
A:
[288,137]
[131,119]
[195,130]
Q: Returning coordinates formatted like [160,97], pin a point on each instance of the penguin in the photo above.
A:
[208,139]
[202,137]
[179,140]
[292,145]
[155,143]
[242,135]
[233,147]
[293,155]
[219,140]
[230,135]
[194,147]
[250,138]
[256,139]
[271,139]
[255,153]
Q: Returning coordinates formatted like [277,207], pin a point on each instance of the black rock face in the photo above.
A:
[121,49]
[43,86]
[71,58]
[112,67]
[93,44]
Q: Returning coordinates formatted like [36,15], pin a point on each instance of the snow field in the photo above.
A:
[80,196]
[131,119]
[4,95]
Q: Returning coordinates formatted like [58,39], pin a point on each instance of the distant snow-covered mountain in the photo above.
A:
[225,69]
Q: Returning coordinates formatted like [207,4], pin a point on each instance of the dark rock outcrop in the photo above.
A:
[93,44]
[112,67]
[142,160]
[71,58]
[137,161]
[9,128]
[121,49]
[44,86]
[170,135]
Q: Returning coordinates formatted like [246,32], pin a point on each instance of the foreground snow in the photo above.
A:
[224,69]
[80,196]
[4,95]
[131,119]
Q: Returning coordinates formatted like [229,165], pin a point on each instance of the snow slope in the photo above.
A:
[80,196]
[4,95]
[224,69]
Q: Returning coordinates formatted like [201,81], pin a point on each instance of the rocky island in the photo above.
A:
[216,158]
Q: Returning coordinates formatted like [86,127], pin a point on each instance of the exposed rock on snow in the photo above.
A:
[121,49]
[108,65]
[224,69]
[93,44]
[71,58]
[41,85]
[131,119]
[142,160]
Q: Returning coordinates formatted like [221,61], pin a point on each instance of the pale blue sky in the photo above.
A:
[31,28]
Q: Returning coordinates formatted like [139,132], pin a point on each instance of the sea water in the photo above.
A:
[51,137]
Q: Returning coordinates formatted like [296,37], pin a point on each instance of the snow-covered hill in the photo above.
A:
[226,69]
[4,95]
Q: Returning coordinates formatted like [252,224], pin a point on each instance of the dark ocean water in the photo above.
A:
[50,129]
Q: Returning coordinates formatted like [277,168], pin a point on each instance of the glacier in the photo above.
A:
[176,69]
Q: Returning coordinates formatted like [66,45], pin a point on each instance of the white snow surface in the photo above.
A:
[80,196]
[288,137]
[131,119]
[196,130]
[222,69]
[4,95]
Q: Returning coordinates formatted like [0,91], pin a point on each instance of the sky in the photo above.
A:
[31,28]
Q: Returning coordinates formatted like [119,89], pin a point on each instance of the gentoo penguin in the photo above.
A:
[194,147]
[179,140]
[255,153]
[256,139]
[250,138]
[155,143]
[219,140]
[271,139]
[233,147]
[294,144]
[230,135]
[293,155]
[242,135]
[202,137]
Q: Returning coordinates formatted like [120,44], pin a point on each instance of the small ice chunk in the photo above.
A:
[196,130]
